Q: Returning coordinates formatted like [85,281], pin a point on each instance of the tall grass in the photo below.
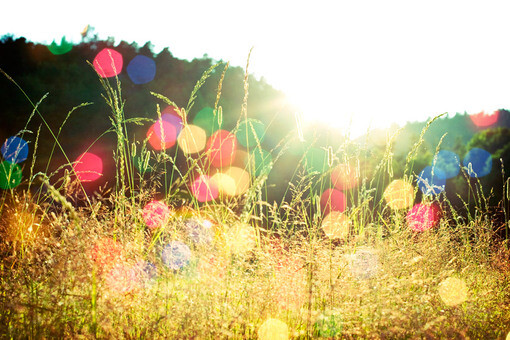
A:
[70,272]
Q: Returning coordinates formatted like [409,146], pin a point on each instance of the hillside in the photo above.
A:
[66,80]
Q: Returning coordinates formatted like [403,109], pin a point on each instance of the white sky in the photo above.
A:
[374,61]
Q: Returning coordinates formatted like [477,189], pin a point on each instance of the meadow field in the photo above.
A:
[183,243]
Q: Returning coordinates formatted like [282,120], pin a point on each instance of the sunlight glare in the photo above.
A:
[241,239]
[259,162]
[199,231]
[431,181]
[171,115]
[161,135]
[344,177]
[478,162]
[251,133]
[146,270]
[233,181]
[448,163]
[122,278]
[333,200]
[221,148]
[106,253]
[483,119]
[316,160]
[364,263]
[62,48]
[208,120]
[212,266]
[141,69]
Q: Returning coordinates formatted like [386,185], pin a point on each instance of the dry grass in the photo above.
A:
[59,288]
[98,271]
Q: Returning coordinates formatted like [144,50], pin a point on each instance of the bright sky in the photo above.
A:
[373,62]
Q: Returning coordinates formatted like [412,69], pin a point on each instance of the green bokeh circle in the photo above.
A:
[10,175]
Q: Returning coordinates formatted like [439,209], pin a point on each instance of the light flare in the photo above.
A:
[156,214]
[273,329]
[88,167]
[108,63]
[204,189]
[333,200]
[483,119]
[453,291]
[399,194]
[336,225]
[344,177]
[424,216]
[191,139]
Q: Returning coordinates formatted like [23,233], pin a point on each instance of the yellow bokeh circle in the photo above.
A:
[233,181]
[226,184]
[241,239]
[273,329]
[453,291]
[336,225]
[192,139]
[399,194]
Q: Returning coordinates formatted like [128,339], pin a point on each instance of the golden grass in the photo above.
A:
[99,271]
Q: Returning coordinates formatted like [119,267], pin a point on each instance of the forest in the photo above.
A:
[146,196]
[64,75]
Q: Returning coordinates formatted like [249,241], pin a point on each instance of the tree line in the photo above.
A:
[69,80]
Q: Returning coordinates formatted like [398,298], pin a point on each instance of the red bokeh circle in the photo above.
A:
[221,148]
[88,167]
[424,216]
[108,63]
[333,200]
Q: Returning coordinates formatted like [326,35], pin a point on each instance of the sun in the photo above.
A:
[347,122]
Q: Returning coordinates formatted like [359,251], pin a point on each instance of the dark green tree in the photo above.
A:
[497,142]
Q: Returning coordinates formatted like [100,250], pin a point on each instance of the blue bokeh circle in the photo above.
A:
[15,150]
[141,69]
[478,162]
[431,182]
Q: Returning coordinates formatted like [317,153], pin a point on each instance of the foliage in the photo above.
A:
[88,260]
